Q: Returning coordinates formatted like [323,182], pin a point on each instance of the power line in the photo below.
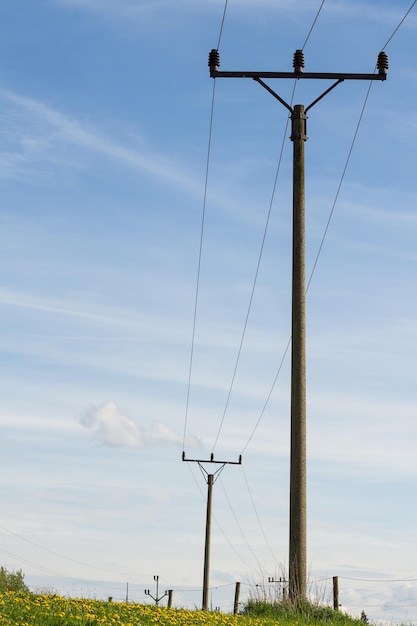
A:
[351,148]
[219,527]
[400,24]
[383,580]
[269,395]
[201,239]
[333,205]
[222,24]
[313,25]
[315,263]
[261,253]
[355,134]
[37,566]
[255,277]
[238,524]
[265,231]
[199,263]
[259,256]
[62,556]
[258,518]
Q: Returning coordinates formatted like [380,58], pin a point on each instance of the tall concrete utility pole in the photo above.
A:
[298,457]
[211,478]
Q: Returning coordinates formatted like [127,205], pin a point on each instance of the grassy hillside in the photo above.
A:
[26,609]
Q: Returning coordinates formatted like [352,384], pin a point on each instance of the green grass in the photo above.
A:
[28,609]
[306,613]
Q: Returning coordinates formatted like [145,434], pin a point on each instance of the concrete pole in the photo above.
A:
[298,540]
[210,482]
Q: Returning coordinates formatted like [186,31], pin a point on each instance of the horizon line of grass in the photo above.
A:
[31,609]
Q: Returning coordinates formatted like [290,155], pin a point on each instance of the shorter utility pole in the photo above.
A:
[210,479]
[156,597]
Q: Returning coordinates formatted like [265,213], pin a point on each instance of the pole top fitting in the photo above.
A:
[298,61]
[214,60]
[382,63]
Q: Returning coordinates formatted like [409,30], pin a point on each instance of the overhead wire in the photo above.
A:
[330,214]
[355,134]
[339,187]
[62,556]
[200,252]
[325,232]
[272,198]
[41,568]
[222,23]
[313,25]
[315,261]
[268,396]
[262,246]
[250,307]
[399,24]
[258,517]
[251,550]
[381,580]
[261,254]
[219,526]
[366,598]
[255,279]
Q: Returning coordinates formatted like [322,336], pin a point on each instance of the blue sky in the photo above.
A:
[104,126]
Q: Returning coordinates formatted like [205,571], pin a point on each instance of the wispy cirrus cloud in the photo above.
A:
[39,133]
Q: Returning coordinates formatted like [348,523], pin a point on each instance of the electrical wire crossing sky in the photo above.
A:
[145,297]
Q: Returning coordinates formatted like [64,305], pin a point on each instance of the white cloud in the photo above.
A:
[162,432]
[111,427]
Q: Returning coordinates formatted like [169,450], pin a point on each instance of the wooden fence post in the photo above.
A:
[236,602]
[336,593]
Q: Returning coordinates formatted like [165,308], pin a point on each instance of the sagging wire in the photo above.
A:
[331,211]
[257,271]
[256,275]
[200,253]
[400,24]
[187,404]
[218,525]
[313,25]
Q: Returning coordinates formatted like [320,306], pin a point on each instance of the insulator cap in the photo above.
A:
[298,62]
[382,63]
[214,60]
